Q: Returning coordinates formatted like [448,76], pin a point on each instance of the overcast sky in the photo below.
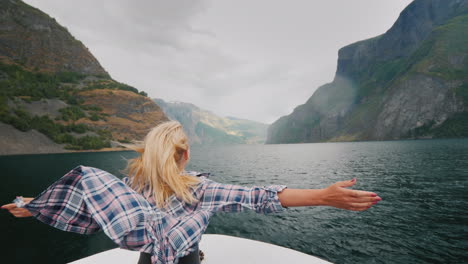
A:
[252,59]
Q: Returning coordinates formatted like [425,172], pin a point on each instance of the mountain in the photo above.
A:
[205,127]
[36,41]
[411,82]
[55,96]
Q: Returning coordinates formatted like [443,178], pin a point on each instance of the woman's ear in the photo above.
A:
[187,154]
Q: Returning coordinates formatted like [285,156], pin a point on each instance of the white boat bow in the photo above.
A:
[218,249]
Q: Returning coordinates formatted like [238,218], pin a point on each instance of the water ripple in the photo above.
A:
[422,218]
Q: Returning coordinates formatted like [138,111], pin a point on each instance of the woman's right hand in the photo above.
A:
[17,211]
[338,196]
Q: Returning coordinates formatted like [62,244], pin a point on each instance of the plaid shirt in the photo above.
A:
[87,200]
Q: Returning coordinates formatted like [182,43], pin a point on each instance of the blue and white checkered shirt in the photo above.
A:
[87,200]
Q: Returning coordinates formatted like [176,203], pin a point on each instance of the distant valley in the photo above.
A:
[205,127]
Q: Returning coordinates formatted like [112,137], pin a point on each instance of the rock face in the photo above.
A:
[49,107]
[410,82]
[129,116]
[31,38]
[13,141]
[414,25]
[205,127]
[417,101]
[55,96]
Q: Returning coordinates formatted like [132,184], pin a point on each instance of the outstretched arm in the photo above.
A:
[335,195]
[233,198]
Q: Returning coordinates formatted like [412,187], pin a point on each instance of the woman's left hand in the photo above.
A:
[17,211]
[338,196]
[335,195]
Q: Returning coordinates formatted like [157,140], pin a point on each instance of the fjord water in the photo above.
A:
[421,219]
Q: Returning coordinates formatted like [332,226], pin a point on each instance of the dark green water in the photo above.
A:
[422,219]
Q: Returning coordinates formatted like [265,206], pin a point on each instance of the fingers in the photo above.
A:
[9,206]
[15,211]
[364,203]
[346,183]
[360,200]
[360,206]
[348,199]
[20,212]
[366,199]
[356,193]
[361,194]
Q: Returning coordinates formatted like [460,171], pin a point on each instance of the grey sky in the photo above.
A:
[252,59]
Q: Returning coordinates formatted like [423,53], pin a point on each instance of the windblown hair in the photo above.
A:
[158,165]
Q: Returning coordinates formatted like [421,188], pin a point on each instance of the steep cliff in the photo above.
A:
[205,127]
[36,41]
[52,87]
[410,82]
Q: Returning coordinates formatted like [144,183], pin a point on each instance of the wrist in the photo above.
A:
[323,197]
[316,197]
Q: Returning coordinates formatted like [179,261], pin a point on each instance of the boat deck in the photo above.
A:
[219,249]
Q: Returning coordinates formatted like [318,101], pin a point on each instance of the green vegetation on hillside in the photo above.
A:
[436,56]
[59,133]
[16,82]
[462,92]
[112,86]
[454,127]
[441,55]
[72,113]
[447,46]
[384,80]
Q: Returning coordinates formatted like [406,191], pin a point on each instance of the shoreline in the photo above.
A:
[331,142]
[70,152]
[99,150]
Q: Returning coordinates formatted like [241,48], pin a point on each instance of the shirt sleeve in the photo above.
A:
[87,200]
[234,198]
[62,205]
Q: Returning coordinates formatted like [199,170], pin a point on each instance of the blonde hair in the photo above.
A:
[158,165]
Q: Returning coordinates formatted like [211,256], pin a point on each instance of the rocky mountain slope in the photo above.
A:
[411,82]
[205,127]
[52,87]
[36,41]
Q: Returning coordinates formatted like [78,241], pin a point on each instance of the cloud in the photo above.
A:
[254,59]
[129,24]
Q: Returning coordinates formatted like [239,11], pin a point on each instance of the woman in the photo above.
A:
[160,209]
